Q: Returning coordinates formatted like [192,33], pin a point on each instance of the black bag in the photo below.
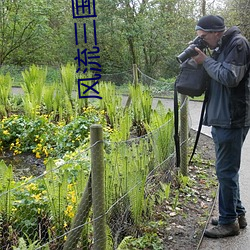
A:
[192,80]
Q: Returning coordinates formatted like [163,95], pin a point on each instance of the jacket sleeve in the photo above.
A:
[230,70]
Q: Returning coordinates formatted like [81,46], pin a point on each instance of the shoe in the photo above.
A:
[221,231]
[241,219]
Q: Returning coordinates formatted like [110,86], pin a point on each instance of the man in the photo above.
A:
[228,112]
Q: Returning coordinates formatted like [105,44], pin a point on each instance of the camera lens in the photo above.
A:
[187,53]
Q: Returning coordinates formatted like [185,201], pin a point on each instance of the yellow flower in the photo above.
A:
[6,132]
[12,145]
[16,152]
[31,187]
[14,209]
[26,178]
[37,196]
[38,155]
[69,211]
[73,199]
[45,151]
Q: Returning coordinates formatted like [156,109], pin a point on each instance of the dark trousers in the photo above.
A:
[228,145]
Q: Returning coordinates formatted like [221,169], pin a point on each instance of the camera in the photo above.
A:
[190,51]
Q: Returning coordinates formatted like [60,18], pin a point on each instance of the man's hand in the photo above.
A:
[200,58]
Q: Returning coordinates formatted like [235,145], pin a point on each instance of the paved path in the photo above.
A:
[241,242]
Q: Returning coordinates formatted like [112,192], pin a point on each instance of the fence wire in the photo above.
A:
[40,211]
[119,78]
[44,210]
[161,87]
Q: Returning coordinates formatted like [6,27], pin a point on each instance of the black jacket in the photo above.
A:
[229,90]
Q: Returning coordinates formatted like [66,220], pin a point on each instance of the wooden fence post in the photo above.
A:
[98,195]
[135,74]
[80,218]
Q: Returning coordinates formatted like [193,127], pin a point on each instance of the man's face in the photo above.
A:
[211,38]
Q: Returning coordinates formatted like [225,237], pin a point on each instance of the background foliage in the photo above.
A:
[149,33]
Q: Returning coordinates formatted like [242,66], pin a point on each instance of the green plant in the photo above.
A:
[6,205]
[164,191]
[126,173]
[113,109]
[62,104]
[64,183]
[42,207]
[176,199]
[23,134]
[6,196]
[33,86]
[43,137]
[14,71]
[5,90]
[22,245]
[48,98]
[65,133]
[30,208]
[77,131]
[161,128]
[121,131]
[147,241]
[141,104]
[68,74]
[184,181]
[56,184]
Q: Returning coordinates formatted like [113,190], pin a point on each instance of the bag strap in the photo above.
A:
[176,126]
[199,127]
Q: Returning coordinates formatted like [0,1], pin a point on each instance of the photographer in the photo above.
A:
[228,112]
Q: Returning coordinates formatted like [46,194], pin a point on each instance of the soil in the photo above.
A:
[25,164]
[186,223]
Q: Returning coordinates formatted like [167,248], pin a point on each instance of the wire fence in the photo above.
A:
[55,210]
[158,87]
[41,211]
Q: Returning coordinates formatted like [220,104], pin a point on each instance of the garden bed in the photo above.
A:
[178,221]
[180,216]
[150,204]
[186,224]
